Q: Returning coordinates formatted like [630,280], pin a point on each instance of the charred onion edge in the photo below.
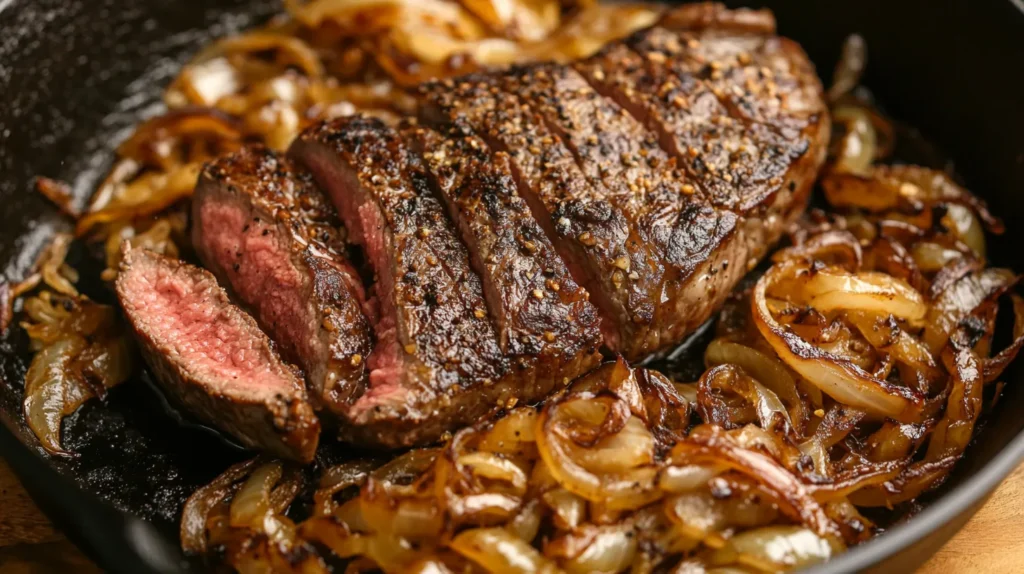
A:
[710,444]
[890,401]
[616,492]
[198,506]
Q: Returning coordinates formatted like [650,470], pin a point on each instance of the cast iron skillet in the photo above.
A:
[75,75]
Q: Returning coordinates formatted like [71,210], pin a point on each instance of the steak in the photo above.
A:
[693,246]
[537,307]
[591,234]
[737,107]
[212,359]
[535,212]
[438,362]
[261,225]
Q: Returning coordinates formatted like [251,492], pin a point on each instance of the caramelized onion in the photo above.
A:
[765,370]
[962,296]
[499,551]
[338,478]
[714,408]
[836,246]
[589,549]
[558,428]
[994,367]
[81,353]
[59,193]
[52,267]
[857,146]
[51,392]
[775,548]
[865,291]
[252,502]
[850,67]
[837,377]
[710,445]
[202,501]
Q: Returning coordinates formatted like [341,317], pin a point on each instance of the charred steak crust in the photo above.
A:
[591,233]
[738,107]
[537,306]
[438,363]
[267,410]
[695,245]
[269,234]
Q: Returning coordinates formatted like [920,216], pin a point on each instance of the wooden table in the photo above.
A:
[991,541]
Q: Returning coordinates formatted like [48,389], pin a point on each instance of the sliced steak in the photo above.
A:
[538,308]
[212,359]
[701,252]
[438,363]
[739,109]
[590,232]
[260,224]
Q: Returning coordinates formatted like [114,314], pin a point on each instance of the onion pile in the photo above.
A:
[848,379]
[81,347]
[608,476]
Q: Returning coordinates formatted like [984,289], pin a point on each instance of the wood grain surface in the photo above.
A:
[993,541]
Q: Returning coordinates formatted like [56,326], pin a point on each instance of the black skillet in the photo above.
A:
[75,75]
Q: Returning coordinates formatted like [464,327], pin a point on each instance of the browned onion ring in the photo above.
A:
[837,377]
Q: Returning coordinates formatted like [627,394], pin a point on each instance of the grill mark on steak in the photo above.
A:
[700,250]
[751,137]
[267,232]
[613,150]
[537,306]
[590,233]
[212,359]
[437,363]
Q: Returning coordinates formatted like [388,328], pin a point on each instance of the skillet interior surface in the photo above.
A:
[76,76]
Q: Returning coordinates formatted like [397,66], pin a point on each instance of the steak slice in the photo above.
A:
[701,251]
[538,308]
[740,48]
[261,225]
[212,359]
[437,363]
[720,92]
[590,232]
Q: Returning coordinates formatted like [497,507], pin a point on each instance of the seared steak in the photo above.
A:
[263,228]
[438,360]
[643,181]
[739,109]
[590,232]
[212,358]
[538,308]
[696,247]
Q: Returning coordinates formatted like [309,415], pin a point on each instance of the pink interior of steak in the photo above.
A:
[185,314]
[365,224]
[260,270]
